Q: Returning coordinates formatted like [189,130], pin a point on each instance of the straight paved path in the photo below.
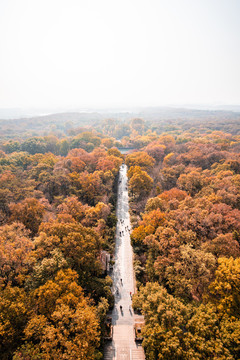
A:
[123,345]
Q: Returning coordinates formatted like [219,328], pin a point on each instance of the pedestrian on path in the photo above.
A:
[121,281]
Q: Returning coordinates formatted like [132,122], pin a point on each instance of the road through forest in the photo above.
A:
[123,345]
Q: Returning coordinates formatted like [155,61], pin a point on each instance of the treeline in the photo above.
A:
[186,215]
[61,132]
[57,227]
[86,140]
[134,134]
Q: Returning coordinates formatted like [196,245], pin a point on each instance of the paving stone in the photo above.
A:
[123,346]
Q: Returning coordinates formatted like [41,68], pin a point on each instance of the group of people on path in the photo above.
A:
[126,228]
[117,292]
[121,233]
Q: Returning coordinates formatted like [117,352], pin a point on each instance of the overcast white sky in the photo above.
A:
[82,53]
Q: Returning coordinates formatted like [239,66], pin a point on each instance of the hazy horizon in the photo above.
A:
[166,111]
[74,54]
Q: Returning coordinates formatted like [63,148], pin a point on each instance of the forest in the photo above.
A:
[58,194]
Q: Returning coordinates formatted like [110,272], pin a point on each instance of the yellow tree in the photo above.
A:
[14,314]
[29,212]
[140,183]
[225,289]
[140,158]
[79,245]
[65,323]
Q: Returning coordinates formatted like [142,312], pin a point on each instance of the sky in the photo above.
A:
[119,53]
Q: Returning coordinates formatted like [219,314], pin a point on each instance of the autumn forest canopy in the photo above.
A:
[58,192]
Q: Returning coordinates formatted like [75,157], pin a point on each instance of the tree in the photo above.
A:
[169,159]
[45,269]
[115,152]
[107,142]
[64,147]
[88,187]
[94,214]
[15,254]
[156,151]
[11,146]
[65,324]
[137,125]
[140,183]
[192,182]
[154,218]
[173,194]
[110,162]
[14,314]
[29,212]
[170,175]
[154,204]
[174,330]
[165,322]
[73,207]
[222,245]
[34,145]
[205,338]
[75,164]
[79,245]
[140,158]
[192,273]
[225,288]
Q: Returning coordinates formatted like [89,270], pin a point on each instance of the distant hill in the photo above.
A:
[98,114]
[163,117]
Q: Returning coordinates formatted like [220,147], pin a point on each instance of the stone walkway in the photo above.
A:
[123,345]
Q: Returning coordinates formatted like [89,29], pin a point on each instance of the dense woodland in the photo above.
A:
[57,213]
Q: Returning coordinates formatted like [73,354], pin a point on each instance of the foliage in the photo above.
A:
[29,212]
[140,182]
[58,186]
[225,288]
[64,323]
[175,330]
[15,254]
[14,313]
[140,158]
